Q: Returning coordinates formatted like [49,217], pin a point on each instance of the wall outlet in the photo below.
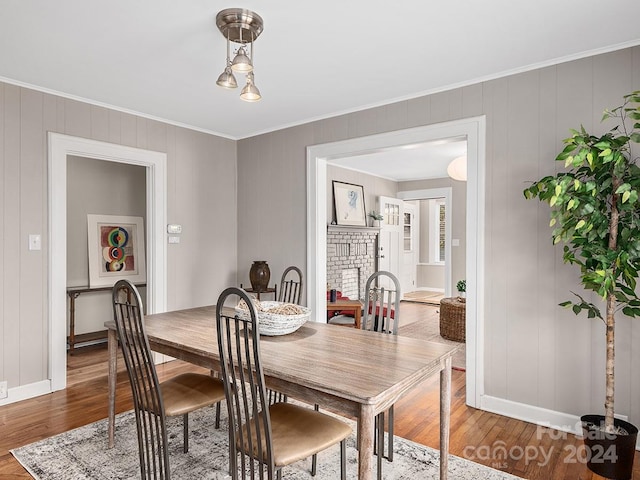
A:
[4,389]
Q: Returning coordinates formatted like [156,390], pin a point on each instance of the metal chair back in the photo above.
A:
[147,396]
[247,398]
[291,285]
[382,303]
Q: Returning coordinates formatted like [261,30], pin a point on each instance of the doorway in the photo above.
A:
[473,129]
[155,163]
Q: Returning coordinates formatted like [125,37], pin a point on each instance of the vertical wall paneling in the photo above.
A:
[77,119]
[12,230]
[99,123]
[522,109]
[575,107]
[3,176]
[496,316]
[545,313]
[537,354]
[32,273]
[25,118]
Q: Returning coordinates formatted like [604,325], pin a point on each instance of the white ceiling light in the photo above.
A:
[241,27]
[457,169]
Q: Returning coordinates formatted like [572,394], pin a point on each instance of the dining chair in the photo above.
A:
[291,285]
[154,401]
[264,435]
[382,314]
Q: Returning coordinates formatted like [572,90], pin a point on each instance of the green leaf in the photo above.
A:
[625,187]
[580,224]
[625,196]
[605,153]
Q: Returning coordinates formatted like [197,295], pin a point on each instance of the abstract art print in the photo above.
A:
[116,249]
[348,201]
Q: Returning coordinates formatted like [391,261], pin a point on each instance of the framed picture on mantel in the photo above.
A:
[348,202]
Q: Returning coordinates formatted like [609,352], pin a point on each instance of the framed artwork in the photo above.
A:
[116,249]
[348,202]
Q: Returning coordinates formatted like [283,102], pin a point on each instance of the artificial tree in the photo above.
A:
[595,212]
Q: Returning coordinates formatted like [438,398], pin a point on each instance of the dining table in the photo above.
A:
[351,372]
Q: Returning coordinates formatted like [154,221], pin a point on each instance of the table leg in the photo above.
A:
[365,442]
[112,345]
[72,321]
[445,416]
[358,317]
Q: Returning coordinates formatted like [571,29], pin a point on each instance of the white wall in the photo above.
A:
[536,354]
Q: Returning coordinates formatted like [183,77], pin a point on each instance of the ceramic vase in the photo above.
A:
[259,275]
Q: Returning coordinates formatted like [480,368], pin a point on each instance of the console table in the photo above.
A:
[73,293]
[273,290]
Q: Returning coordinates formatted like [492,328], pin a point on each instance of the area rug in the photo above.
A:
[423,296]
[82,454]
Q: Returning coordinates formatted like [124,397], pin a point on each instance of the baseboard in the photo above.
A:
[563,422]
[25,392]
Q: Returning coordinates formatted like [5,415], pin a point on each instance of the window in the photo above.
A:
[407,232]
[441,231]
[437,237]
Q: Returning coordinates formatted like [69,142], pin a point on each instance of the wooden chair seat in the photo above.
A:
[298,432]
[190,391]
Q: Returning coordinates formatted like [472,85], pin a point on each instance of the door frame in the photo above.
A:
[474,130]
[59,147]
[432,193]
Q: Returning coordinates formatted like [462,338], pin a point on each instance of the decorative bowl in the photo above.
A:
[272,324]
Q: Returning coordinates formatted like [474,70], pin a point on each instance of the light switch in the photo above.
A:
[455,242]
[35,242]
[174,228]
[174,239]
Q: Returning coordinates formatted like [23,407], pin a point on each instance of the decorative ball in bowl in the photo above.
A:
[276,318]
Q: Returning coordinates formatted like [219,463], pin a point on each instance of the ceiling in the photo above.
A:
[161,58]
[411,162]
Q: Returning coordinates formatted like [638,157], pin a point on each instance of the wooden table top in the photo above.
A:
[357,365]
[344,302]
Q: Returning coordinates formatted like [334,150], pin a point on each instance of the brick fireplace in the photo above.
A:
[351,258]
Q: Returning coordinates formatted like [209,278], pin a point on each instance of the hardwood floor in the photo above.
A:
[476,435]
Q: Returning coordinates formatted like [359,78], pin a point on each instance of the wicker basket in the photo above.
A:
[272,324]
[452,319]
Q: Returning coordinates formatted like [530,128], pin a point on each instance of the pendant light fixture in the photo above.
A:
[241,27]
[457,169]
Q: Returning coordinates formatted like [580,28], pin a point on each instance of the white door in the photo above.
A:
[390,240]
[410,245]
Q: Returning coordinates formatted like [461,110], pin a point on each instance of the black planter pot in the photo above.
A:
[609,455]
